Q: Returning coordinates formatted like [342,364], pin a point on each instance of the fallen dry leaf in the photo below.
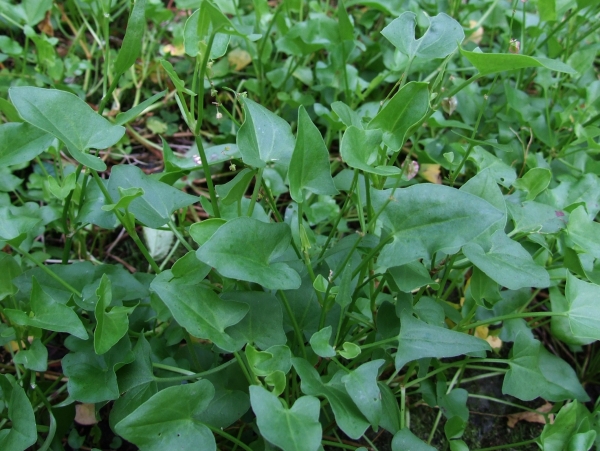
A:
[431,173]
[85,414]
[238,59]
[531,417]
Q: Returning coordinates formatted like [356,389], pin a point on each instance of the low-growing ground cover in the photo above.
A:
[299,225]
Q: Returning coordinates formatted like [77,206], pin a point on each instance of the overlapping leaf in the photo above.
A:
[427,218]
[248,249]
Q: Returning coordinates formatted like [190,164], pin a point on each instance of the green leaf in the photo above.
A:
[581,321]
[489,63]
[584,232]
[126,196]
[22,142]
[360,149]
[420,217]
[23,433]
[534,182]
[295,429]
[441,38]
[132,42]
[234,190]
[34,358]
[570,431]
[48,313]
[418,340]
[14,227]
[349,350]
[111,325]
[263,325]
[167,420]
[139,372]
[159,242]
[178,82]
[406,109]
[61,191]
[226,407]
[319,342]
[309,166]
[202,231]
[10,270]
[198,309]
[69,119]
[193,42]
[555,379]
[159,200]
[264,363]
[361,385]
[264,137]
[129,115]
[347,415]
[406,440]
[248,249]
[508,263]
[92,377]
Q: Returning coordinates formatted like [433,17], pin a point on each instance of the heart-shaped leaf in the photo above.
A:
[22,142]
[309,166]
[508,263]
[23,433]
[295,429]
[158,201]
[167,420]
[405,110]
[420,217]
[441,38]
[348,417]
[418,340]
[199,309]
[111,325]
[47,313]
[581,321]
[248,249]
[264,136]
[69,119]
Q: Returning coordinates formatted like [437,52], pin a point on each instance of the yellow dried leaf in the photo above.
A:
[238,59]
[531,417]
[431,173]
[175,50]
[85,414]
[477,34]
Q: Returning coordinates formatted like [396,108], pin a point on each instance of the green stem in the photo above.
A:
[187,375]
[297,330]
[255,192]
[47,271]
[229,437]
[130,230]
[511,316]
[509,446]
[180,237]
[208,176]
[242,365]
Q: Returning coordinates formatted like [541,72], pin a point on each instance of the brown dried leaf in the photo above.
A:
[531,417]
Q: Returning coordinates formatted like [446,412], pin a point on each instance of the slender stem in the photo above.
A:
[509,446]
[208,176]
[242,365]
[511,316]
[257,185]
[180,237]
[297,330]
[187,375]
[229,437]
[47,271]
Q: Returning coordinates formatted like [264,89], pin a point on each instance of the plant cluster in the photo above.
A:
[354,211]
